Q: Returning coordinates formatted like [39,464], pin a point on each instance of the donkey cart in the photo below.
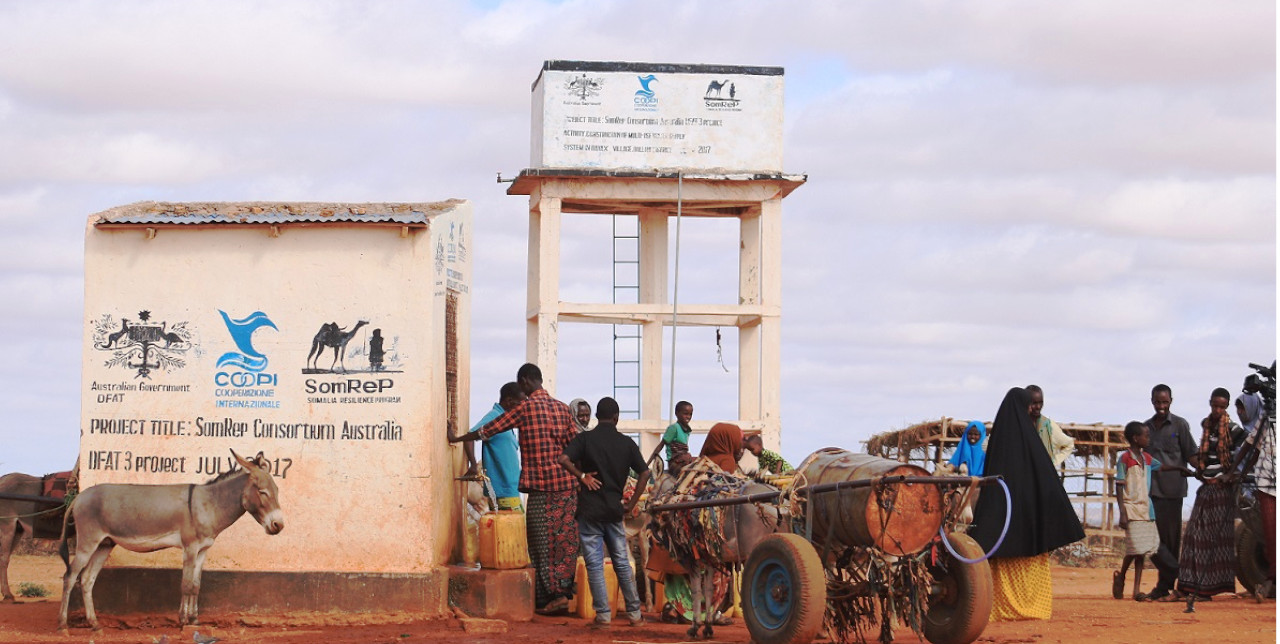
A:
[864,540]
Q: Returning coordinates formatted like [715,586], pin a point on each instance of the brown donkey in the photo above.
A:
[146,518]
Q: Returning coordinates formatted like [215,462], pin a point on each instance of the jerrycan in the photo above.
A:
[503,544]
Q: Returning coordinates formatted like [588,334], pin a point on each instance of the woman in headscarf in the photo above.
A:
[969,452]
[581,410]
[1041,517]
[1206,562]
[724,446]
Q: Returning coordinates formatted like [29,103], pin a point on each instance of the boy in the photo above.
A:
[1137,516]
[770,461]
[676,439]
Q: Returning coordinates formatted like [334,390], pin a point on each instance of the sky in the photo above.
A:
[1079,195]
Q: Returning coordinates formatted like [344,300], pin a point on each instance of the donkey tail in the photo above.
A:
[62,545]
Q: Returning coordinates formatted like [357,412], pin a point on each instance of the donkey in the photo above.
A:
[15,518]
[146,518]
[741,527]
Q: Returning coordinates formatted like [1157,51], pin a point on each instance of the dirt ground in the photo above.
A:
[1083,612]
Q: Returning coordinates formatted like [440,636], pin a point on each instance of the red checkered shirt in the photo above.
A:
[545,428]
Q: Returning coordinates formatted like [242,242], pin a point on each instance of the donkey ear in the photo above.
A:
[243,463]
[260,459]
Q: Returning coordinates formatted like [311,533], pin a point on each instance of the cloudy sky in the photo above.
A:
[1080,195]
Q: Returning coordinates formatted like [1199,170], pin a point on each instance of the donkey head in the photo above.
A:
[260,497]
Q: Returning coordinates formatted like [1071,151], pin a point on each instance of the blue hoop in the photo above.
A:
[1008,514]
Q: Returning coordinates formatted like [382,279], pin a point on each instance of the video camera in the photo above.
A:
[1263,382]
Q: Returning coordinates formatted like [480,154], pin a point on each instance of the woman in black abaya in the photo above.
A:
[1041,520]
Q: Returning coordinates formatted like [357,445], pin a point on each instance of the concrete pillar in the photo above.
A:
[544,286]
[653,290]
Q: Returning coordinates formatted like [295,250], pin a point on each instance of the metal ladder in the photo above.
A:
[626,337]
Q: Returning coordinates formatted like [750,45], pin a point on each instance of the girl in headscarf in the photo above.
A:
[1041,516]
[1206,562]
[969,452]
[724,446]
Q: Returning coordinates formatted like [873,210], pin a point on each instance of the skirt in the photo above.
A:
[553,544]
[1207,562]
[1142,538]
[1022,588]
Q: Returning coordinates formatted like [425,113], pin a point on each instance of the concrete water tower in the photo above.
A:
[660,142]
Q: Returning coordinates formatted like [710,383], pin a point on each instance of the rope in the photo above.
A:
[675,290]
[35,514]
[1008,514]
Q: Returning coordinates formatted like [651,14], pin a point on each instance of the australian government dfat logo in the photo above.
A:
[722,96]
[646,97]
[242,380]
[142,344]
[583,90]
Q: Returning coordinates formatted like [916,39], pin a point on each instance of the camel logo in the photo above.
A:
[646,98]
[584,88]
[715,99]
[142,345]
[368,349]
[246,384]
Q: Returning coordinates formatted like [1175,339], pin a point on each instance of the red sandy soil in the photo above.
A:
[1083,612]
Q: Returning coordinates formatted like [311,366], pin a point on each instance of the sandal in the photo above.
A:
[1141,597]
[1117,585]
[1168,599]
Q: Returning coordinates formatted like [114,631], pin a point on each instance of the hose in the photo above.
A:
[1008,514]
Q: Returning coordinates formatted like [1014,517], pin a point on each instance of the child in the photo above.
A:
[676,439]
[1137,516]
[770,461]
[969,457]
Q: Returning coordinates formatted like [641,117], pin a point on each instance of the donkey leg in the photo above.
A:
[695,597]
[91,570]
[85,547]
[8,537]
[195,582]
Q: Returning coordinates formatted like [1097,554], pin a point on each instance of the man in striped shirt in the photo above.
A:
[546,427]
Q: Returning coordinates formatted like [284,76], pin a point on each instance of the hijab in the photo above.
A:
[722,445]
[971,455]
[573,413]
[1042,517]
[1252,411]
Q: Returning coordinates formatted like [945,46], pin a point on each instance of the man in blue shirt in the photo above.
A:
[501,452]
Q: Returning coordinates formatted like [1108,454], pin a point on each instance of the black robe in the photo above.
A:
[1042,518]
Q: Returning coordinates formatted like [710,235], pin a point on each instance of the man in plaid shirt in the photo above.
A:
[546,427]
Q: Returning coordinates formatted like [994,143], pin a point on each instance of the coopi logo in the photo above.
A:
[242,380]
[646,98]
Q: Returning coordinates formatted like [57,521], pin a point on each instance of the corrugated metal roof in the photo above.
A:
[150,212]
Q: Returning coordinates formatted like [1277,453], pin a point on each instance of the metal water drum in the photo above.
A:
[897,519]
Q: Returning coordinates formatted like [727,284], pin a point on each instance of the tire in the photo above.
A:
[1251,556]
[958,613]
[784,591]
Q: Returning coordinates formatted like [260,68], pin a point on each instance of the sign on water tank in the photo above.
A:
[642,116]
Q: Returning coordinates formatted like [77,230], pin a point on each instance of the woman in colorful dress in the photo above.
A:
[1207,562]
[1041,516]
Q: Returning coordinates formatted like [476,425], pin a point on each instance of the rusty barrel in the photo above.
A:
[897,519]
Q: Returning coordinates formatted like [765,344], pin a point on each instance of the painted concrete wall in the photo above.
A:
[648,116]
[221,320]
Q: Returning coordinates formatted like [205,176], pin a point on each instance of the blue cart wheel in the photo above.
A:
[784,591]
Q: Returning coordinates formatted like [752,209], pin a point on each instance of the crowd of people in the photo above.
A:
[1151,481]
[575,474]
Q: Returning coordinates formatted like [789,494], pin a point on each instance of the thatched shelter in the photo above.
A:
[1087,474]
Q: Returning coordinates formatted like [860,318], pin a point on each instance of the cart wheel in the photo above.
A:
[1251,556]
[961,605]
[784,591]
